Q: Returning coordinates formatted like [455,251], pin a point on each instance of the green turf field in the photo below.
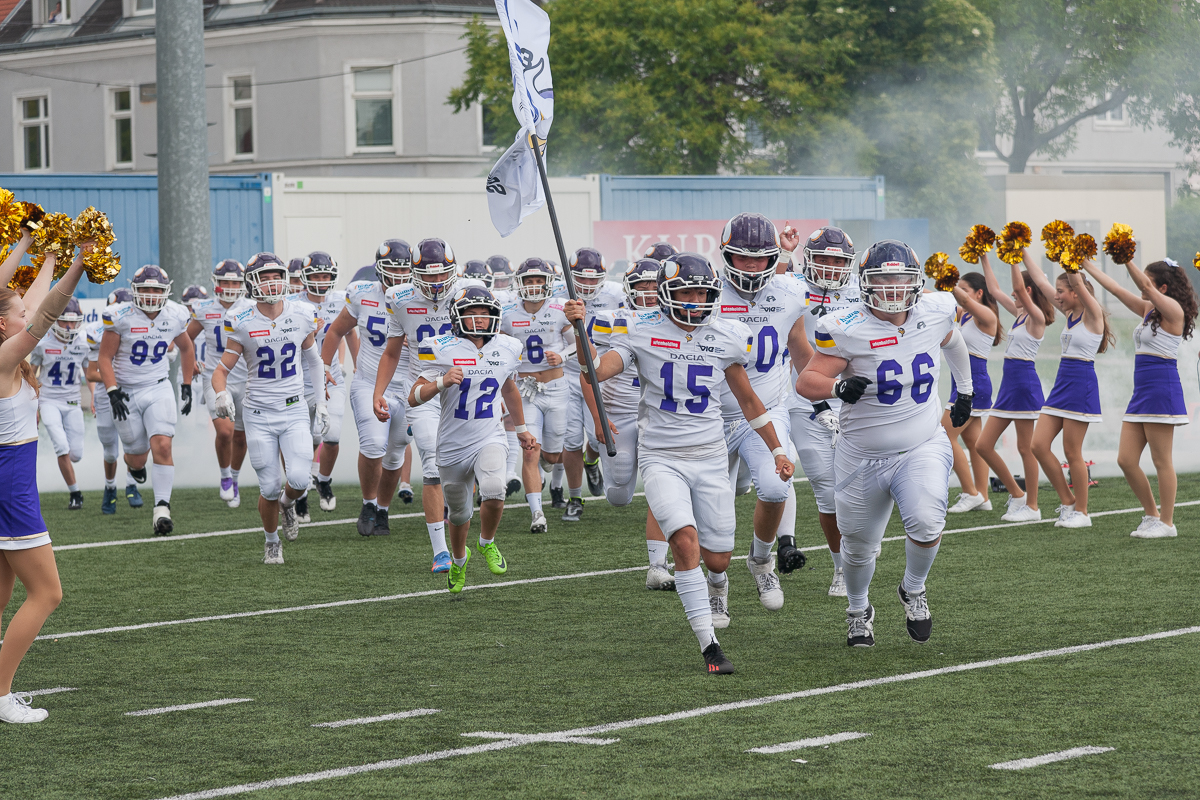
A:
[575,670]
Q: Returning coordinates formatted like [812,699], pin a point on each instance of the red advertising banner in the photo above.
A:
[628,240]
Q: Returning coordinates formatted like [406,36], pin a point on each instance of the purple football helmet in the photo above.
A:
[890,277]
[660,251]
[318,272]
[641,271]
[66,327]
[528,290]
[434,270]
[833,243]
[267,278]
[393,263]
[501,272]
[688,271]
[229,280]
[475,297]
[753,236]
[588,271]
[151,288]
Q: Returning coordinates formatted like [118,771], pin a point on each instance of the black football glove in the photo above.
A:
[117,398]
[185,392]
[960,412]
[851,390]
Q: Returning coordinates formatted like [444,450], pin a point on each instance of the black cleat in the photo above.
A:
[861,628]
[715,660]
[595,479]
[325,492]
[162,518]
[556,498]
[381,524]
[917,618]
[405,494]
[574,512]
[512,488]
[76,501]
[366,519]
[789,557]
[138,475]
[302,510]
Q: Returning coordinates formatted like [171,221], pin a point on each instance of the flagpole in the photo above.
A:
[580,331]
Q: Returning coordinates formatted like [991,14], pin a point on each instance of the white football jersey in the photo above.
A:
[141,358]
[63,366]
[538,333]
[366,302]
[610,297]
[271,350]
[210,313]
[682,375]
[621,393]
[411,315]
[820,303]
[770,315]
[900,408]
[471,412]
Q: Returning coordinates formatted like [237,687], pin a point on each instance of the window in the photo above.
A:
[372,102]
[242,117]
[1113,118]
[57,11]
[143,6]
[121,114]
[34,124]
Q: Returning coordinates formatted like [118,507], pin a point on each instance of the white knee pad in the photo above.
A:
[857,553]
[270,483]
[110,441]
[489,472]
[458,498]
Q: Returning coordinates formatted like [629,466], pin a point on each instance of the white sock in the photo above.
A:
[370,502]
[485,542]
[163,476]
[837,560]
[384,509]
[918,562]
[437,536]
[323,478]
[535,503]
[575,491]
[658,551]
[787,524]
[760,551]
[858,580]
[689,585]
[110,483]
[314,469]
[514,453]
[226,472]
[556,476]
[74,487]
[717,579]
[235,473]
[285,501]
[272,536]
[459,562]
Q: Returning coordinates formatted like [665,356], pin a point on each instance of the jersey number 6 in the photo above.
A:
[891,389]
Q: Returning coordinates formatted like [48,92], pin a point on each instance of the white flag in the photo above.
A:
[514,186]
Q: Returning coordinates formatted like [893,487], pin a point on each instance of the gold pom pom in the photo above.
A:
[1017,234]
[10,218]
[22,279]
[1009,252]
[935,265]
[1119,244]
[1082,247]
[948,279]
[1056,236]
[979,241]
[102,265]
[1196,261]
[53,237]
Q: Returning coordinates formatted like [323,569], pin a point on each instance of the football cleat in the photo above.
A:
[109,504]
[861,628]
[237,497]
[918,620]
[382,528]
[595,478]
[226,489]
[715,660]
[837,588]
[162,518]
[718,604]
[289,526]
[512,487]
[790,557]
[539,524]
[405,494]
[556,498]
[574,512]
[770,593]
[495,562]
[16,708]
[441,562]
[325,491]
[366,519]
[76,501]
[659,578]
[302,510]
[456,578]
[138,475]
[134,496]
[273,552]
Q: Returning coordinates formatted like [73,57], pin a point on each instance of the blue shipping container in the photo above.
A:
[239,214]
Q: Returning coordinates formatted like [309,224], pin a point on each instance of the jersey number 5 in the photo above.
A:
[699,391]
[891,389]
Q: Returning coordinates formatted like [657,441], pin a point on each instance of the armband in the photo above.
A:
[520,429]
[440,384]
[759,422]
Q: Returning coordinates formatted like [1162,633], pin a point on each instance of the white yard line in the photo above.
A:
[416,712]
[188,707]
[518,740]
[818,741]
[52,691]
[1050,758]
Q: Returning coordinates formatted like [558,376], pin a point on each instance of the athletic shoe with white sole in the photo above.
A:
[456,578]
[595,478]
[273,553]
[659,578]
[1146,524]
[441,562]
[366,519]
[718,604]
[1062,512]
[289,526]
[918,620]
[715,660]
[770,593]
[162,518]
[325,492]
[539,524]
[574,512]
[302,515]
[860,628]
[969,502]
[15,707]
[1019,511]
[1074,519]
[405,494]
[837,588]
[1159,530]
[226,489]
[237,497]
[76,501]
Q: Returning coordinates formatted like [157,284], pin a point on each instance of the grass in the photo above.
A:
[552,656]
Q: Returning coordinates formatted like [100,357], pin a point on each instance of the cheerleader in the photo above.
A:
[979,321]
[1074,402]
[1020,398]
[25,550]
[1167,306]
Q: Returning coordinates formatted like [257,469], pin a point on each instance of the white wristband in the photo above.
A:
[520,429]
[777,452]
[758,422]
[441,384]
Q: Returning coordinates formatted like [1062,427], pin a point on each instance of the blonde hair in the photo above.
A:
[7,298]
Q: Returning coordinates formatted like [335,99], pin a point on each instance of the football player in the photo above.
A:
[471,368]
[687,357]
[882,360]
[208,314]
[61,360]
[538,322]
[134,366]
[106,426]
[277,340]
[380,445]
[295,283]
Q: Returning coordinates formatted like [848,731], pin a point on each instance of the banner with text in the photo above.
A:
[628,240]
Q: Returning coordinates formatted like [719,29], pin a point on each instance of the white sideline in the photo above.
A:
[188,707]
[518,740]
[1050,758]
[416,712]
[56,690]
[818,741]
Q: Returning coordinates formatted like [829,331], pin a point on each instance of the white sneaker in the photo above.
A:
[658,577]
[1074,519]
[1063,512]
[1146,524]
[273,553]
[770,593]
[227,493]
[718,604]
[838,587]
[1159,530]
[1019,511]
[969,502]
[289,526]
[539,524]
[14,707]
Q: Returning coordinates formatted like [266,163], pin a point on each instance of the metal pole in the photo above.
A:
[580,330]
[184,238]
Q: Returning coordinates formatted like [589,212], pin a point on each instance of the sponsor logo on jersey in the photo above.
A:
[464,362]
[259,333]
[418,310]
[212,316]
[371,303]
[734,309]
[520,323]
[243,315]
[139,330]
[668,343]
[824,340]
[53,352]
[888,341]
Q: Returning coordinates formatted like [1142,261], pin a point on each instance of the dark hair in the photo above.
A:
[1108,338]
[7,298]
[1179,289]
[1040,300]
[978,283]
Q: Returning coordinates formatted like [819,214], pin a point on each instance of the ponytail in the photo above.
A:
[979,284]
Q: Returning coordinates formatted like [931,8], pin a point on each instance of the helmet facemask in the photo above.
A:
[269,285]
[595,282]
[748,280]
[434,280]
[66,327]
[393,272]
[690,312]
[534,292]
[891,288]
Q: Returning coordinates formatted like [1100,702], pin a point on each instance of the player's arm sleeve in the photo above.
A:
[959,360]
